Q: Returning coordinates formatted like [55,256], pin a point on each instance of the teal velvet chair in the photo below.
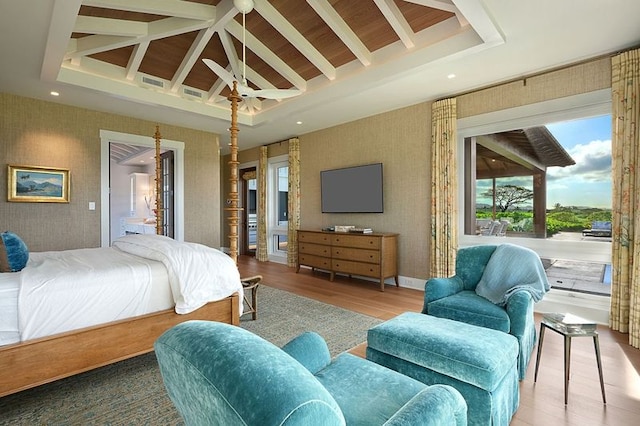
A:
[457,297]
[219,374]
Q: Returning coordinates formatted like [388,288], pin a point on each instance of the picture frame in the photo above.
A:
[35,184]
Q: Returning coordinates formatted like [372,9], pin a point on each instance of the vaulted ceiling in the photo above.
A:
[349,58]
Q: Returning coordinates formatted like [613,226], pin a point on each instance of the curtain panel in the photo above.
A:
[262,254]
[444,188]
[625,152]
[293,206]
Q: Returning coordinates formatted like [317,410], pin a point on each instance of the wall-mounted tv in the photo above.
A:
[352,189]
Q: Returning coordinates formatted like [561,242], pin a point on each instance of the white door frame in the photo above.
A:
[107,136]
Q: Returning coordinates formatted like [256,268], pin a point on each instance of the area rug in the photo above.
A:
[131,392]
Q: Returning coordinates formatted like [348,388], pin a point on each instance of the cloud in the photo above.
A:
[593,163]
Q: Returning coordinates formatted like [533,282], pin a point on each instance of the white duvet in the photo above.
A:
[62,291]
[198,274]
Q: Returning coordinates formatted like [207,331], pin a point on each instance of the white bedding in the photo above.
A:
[63,291]
[198,274]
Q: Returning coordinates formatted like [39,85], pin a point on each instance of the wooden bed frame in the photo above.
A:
[39,361]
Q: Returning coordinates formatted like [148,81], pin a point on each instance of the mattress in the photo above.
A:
[159,298]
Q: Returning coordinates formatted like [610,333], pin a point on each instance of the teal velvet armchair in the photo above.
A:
[219,374]
[494,286]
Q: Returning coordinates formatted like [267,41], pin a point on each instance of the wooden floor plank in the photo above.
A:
[541,403]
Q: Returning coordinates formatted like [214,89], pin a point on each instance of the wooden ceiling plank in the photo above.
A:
[342,30]
[136,59]
[268,56]
[293,36]
[163,28]
[177,8]
[225,11]
[397,21]
[108,26]
[446,5]
[502,146]
[190,58]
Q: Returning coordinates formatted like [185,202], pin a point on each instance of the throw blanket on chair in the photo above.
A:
[512,268]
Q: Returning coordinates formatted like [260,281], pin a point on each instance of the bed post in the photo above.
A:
[233,208]
[159,205]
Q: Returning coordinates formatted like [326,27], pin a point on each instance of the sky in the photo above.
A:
[588,182]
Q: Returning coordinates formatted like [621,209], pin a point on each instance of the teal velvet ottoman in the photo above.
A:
[479,362]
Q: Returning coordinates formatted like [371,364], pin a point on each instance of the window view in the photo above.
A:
[549,182]
[278,200]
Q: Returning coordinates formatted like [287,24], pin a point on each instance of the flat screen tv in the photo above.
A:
[352,189]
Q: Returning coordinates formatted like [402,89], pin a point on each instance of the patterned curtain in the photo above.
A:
[294,202]
[624,315]
[262,254]
[444,188]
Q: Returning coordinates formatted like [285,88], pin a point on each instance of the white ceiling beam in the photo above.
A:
[397,21]
[257,47]
[342,30]
[224,13]
[163,28]
[63,19]
[288,31]
[177,8]
[446,5]
[477,16]
[108,26]
[136,59]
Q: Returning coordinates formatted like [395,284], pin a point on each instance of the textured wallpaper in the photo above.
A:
[39,133]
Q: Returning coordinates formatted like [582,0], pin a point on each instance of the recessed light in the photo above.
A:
[451,76]
[298,122]
[54,93]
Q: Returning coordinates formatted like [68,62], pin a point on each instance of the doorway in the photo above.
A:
[174,194]
[248,218]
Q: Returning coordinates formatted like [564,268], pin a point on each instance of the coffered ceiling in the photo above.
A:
[349,58]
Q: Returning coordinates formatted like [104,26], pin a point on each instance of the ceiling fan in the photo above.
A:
[246,6]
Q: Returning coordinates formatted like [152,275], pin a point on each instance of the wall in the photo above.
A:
[39,133]
[397,139]
[400,139]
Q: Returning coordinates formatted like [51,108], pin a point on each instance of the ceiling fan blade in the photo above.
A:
[276,93]
[225,75]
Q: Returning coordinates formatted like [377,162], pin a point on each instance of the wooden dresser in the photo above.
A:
[368,255]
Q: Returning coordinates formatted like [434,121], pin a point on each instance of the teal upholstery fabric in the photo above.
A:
[479,362]
[222,374]
[456,298]
[14,253]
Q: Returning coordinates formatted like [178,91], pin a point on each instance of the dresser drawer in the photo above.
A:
[356,268]
[356,241]
[314,237]
[317,249]
[358,255]
[314,261]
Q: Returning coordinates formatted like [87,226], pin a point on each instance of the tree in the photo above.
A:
[509,196]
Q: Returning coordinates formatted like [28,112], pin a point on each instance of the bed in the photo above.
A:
[71,311]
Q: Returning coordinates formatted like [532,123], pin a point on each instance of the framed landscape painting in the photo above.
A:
[33,184]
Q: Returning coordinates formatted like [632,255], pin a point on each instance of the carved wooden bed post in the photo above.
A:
[233,208]
[159,209]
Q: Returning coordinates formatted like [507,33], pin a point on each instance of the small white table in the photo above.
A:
[569,326]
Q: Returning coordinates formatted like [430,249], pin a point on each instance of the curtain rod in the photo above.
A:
[538,74]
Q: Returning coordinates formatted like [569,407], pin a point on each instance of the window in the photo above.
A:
[550,206]
[278,200]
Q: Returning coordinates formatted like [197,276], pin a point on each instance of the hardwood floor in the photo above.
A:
[541,403]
